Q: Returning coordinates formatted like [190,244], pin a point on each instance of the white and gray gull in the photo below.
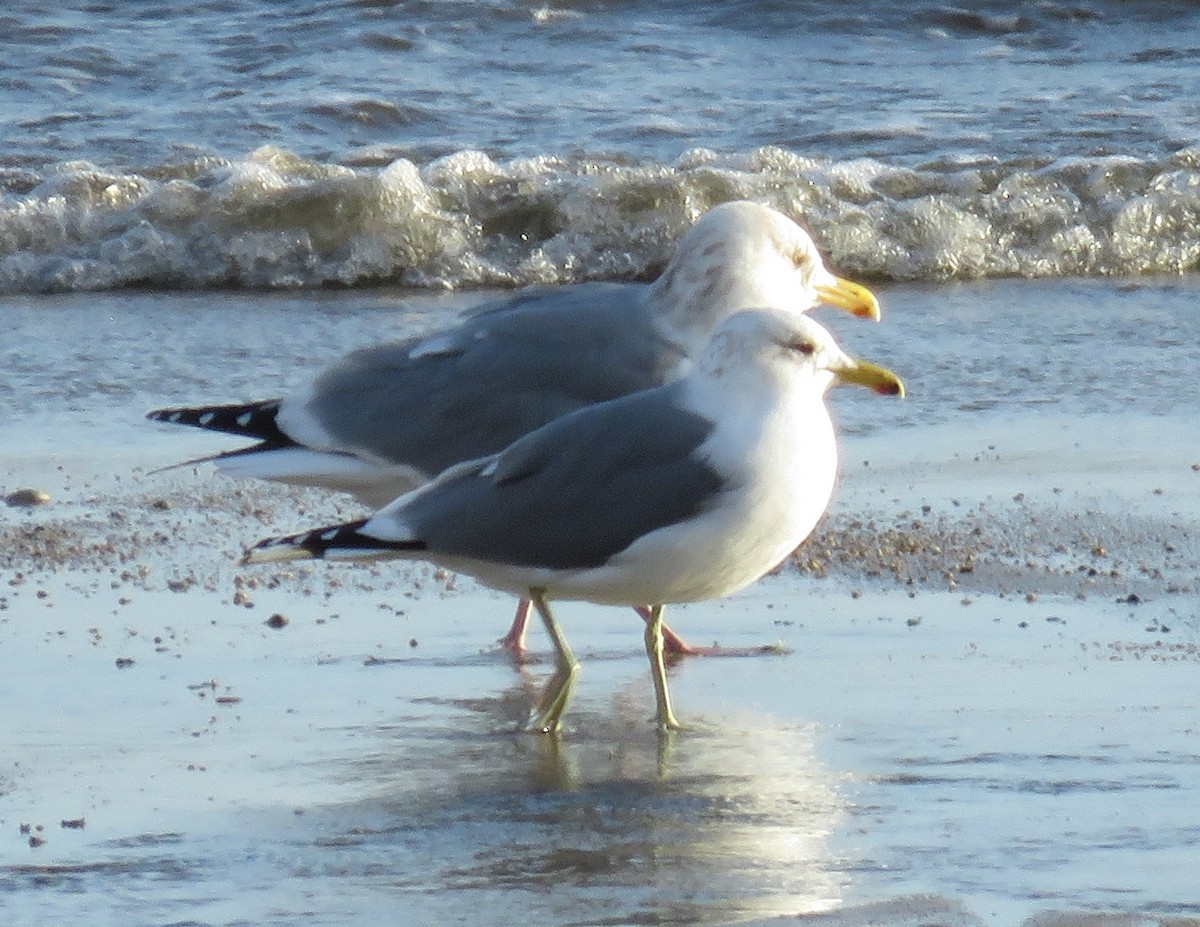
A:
[680,493]
[387,418]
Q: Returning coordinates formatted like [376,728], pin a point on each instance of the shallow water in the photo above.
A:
[1009,758]
[966,351]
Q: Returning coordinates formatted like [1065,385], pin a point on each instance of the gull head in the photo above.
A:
[743,254]
[790,349]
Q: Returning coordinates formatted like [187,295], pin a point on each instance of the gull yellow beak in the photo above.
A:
[872,376]
[853,297]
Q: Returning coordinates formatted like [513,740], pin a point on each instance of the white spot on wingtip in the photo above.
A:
[434,346]
[244,419]
[272,550]
[206,418]
[329,535]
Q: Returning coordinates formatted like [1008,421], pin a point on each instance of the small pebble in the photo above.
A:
[27,498]
[276,621]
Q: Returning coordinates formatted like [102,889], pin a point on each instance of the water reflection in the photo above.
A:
[610,824]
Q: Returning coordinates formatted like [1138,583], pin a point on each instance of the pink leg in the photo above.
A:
[514,640]
[675,646]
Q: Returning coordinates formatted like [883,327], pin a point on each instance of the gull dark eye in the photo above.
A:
[803,346]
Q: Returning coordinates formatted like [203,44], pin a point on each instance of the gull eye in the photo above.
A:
[803,346]
[802,260]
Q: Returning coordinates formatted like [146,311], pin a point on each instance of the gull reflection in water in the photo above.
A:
[609,824]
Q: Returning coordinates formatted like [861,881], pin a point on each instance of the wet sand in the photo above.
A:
[990,702]
[988,713]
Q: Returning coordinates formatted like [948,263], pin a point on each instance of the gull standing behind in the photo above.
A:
[387,418]
[681,493]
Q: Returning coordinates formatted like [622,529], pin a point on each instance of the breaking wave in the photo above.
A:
[274,219]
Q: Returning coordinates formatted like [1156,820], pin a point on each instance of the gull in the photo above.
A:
[387,418]
[680,493]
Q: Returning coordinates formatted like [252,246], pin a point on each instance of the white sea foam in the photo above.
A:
[274,219]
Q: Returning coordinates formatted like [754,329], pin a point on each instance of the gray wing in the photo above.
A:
[577,491]
[433,402]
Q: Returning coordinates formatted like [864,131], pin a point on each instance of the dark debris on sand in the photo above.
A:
[180,538]
[1013,551]
[177,539]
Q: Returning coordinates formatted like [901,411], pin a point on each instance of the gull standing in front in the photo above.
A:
[387,418]
[681,493]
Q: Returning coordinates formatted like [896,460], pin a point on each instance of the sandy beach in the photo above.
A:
[986,714]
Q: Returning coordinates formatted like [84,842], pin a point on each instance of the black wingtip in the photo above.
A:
[250,420]
[340,542]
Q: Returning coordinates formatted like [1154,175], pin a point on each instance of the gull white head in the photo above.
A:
[742,254]
[791,350]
